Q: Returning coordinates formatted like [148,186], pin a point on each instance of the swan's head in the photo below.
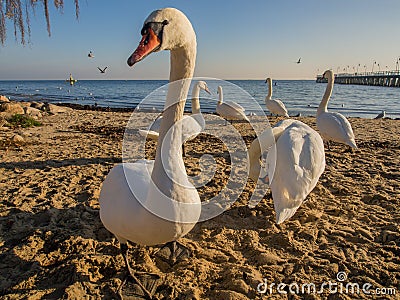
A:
[268,80]
[164,29]
[328,74]
[203,86]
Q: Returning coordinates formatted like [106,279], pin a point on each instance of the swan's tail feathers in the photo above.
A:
[285,214]
[352,144]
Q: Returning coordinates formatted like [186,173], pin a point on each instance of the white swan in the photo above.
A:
[275,106]
[292,167]
[192,124]
[229,110]
[152,202]
[332,125]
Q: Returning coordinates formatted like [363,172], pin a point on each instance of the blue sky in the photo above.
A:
[236,39]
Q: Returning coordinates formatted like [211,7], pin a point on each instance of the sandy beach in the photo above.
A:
[54,246]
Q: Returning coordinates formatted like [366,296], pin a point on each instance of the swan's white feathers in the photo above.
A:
[300,163]
[295,164]
[230,112]
[234,105]
[161,207]
[334,126]
[275,106]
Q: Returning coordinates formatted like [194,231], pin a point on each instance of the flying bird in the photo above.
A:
[91,55]
[102,70]
[299,61]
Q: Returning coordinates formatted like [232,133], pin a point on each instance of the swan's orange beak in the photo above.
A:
[149,43]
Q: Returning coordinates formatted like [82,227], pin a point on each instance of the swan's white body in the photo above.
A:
[293,166]
[230,110]
[275,106]
[332,125]
[152,202]
[193,125]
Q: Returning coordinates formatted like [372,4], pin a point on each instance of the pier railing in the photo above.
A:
[381,78]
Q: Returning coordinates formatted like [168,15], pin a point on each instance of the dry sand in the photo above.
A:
[53,245]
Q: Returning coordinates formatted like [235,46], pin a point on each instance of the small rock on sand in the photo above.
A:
[54,109]
[12,108]
[17,139]
[37,105]
[4,98]
[33,112]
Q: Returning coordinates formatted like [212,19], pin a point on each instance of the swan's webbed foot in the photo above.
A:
[137,285]
[173,252]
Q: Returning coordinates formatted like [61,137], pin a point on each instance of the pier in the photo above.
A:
[382,78]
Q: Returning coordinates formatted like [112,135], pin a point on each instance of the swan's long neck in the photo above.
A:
[220,95]
[168,161]
[195,100]
[269,95]
[323,106]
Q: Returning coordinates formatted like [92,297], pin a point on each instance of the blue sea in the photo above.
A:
[299,96]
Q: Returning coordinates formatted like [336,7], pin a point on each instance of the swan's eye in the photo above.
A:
[144,31]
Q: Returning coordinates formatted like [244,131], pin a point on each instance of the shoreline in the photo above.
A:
[90,107]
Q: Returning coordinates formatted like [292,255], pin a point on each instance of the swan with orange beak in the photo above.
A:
[152,202]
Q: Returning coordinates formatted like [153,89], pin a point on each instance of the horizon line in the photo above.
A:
[150,79]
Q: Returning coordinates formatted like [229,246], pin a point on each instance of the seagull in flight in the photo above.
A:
[299,61]
[102,70]
[90,55]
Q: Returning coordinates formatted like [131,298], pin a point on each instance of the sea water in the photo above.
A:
[299,96]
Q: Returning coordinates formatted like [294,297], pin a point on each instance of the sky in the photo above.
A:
[236,39]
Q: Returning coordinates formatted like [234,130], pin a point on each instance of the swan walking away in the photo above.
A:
[294,163]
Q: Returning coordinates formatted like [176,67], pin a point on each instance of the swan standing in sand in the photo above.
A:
[192,125]
[152,202]
[275,106]
[229,110]
[332,125]
[292,167]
